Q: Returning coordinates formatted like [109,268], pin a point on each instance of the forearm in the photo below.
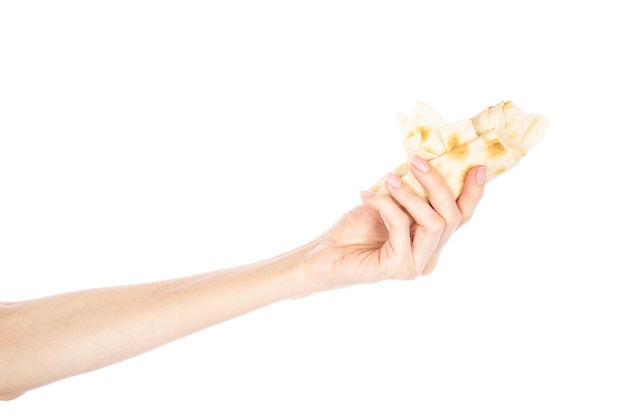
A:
[45,340]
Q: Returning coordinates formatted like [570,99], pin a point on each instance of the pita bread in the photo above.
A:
[498,137]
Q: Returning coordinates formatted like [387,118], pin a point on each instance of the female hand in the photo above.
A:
[397,235]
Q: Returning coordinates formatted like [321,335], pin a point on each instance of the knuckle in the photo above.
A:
[404,220]
[398,220]
[437,223]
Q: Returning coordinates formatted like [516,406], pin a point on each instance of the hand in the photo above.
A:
[398,235]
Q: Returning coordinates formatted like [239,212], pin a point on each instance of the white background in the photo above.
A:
[149,140]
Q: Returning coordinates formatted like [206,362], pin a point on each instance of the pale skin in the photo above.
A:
[394,235]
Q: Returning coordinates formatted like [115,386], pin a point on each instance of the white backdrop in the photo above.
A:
[147,140]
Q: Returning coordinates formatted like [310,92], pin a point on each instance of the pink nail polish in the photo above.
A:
[393,180]
[367,193]
[420,163]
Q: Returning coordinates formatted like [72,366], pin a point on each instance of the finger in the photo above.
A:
[398,222]
[440,195]
[442,200]
[466,204]
[429,224]
[473,191]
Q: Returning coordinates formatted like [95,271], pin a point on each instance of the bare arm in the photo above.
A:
[391,236]
[45,340]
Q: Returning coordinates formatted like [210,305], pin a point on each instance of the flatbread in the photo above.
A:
[498,137]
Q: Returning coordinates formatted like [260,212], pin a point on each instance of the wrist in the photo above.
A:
[295,270]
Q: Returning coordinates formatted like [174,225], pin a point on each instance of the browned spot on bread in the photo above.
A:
[498,171]
[453,141]
[424,132]
[495,149]
[459,153]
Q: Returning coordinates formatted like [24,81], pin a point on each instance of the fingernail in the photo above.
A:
[367,193]
[481,174]
[420,163]
[393,180]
